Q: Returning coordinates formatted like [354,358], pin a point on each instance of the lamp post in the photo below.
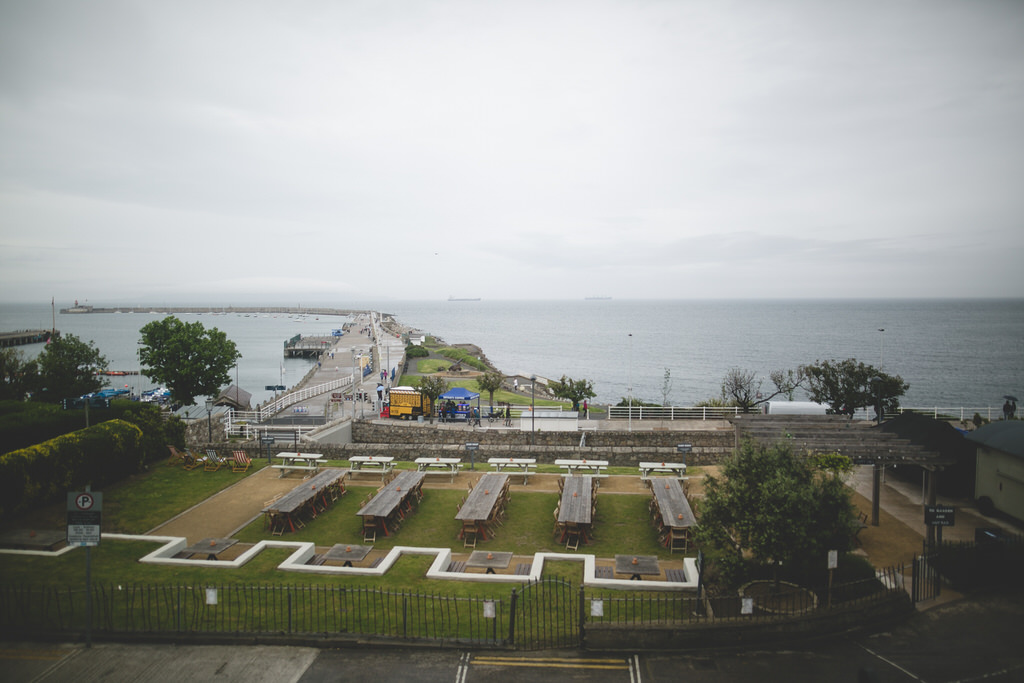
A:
[209,421]
[533,409]
[354,383]
[881,348]
[629,383]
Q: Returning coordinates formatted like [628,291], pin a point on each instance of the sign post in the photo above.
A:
[84,511]
[939,516]
[684,449]
[471,447]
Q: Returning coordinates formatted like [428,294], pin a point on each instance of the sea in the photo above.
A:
[958,353]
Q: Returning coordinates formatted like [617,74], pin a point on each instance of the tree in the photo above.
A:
[848,385]
[490,382]
[68,367]
[743,388]
[666,387]
[574,390]
[187,358]
[776,508]
[432,386]
[16,375]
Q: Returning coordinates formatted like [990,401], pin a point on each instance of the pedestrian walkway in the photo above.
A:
[223,514]
[364,344]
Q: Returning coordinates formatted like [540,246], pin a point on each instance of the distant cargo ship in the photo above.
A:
[597,298]
[452,298]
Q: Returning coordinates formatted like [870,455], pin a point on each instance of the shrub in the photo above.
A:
[45,472]
[415,351]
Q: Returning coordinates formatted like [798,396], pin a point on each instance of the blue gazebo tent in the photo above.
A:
[461,398]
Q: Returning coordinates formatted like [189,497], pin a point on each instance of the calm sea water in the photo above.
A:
[953,353]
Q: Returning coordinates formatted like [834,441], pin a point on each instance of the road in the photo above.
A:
[967,640]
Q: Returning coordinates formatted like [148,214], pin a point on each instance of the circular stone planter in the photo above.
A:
[789,599]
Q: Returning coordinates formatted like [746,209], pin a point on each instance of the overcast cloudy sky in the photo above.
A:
[213,151]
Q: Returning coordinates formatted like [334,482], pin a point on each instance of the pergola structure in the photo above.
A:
[861,441]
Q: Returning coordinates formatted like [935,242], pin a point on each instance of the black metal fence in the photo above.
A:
[550,613]
[995,559]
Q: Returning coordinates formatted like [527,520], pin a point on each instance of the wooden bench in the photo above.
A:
[604,572]
[523,569]
[457,567]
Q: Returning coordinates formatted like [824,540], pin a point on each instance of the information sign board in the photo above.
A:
[939,515]
[84,518]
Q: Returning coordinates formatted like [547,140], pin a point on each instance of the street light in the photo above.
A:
[209,421]
[629,383]
[533,409]
[353,383]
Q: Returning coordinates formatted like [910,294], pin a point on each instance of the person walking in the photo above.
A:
[508,414]
[585,409]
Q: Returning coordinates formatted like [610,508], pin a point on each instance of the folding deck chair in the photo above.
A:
[213,461]
[241,462]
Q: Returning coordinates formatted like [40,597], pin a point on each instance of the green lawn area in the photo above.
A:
[143,502]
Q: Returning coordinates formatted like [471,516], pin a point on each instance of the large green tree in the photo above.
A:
[432,386]
[187,358]
[846,385]
[490,382]
[68,367]
[776,508]
[575,390]
[16,375]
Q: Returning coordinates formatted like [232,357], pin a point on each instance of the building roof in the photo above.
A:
[234,397]
[1005,435]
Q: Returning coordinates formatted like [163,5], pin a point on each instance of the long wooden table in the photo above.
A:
[319,491]
[575,510]
[483,504]
[672,514]
[391,503]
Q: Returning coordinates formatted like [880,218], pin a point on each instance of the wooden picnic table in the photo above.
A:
[521,465]
[483,504]
[309,462]
[211,546]
[320,490]
[488,560]
[584,466]
[672,513]
[391,502]
[450,465]
[575,511]
[637,566]
[347,553]
[377,463]
[676,468]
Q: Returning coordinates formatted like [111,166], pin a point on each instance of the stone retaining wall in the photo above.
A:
[408,441]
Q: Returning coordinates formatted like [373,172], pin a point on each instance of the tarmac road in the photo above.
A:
[978,639]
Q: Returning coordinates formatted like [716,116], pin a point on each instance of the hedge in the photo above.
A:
[45,472]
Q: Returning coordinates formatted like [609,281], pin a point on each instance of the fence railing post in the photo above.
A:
[512,618]
[582,617]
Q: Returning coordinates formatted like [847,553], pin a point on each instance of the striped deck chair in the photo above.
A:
[177,457]
[191,460]
[241,462]
[213,461]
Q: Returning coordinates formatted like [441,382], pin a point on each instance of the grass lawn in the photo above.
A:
[144,501]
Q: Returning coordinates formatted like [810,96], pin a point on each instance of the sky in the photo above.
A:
[224,152]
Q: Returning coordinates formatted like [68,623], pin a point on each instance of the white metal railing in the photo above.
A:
[673,412]
[723,412]
[301,395]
